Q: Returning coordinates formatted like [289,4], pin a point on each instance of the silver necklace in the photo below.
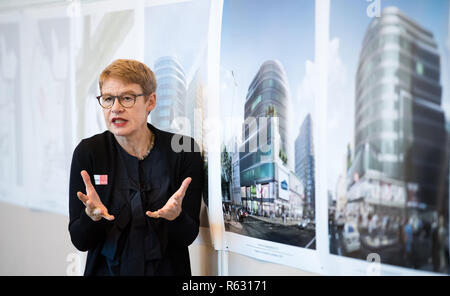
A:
[152,142]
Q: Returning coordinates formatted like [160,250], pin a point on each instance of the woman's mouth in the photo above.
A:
[119,122]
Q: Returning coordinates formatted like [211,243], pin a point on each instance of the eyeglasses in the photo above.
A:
[127,101]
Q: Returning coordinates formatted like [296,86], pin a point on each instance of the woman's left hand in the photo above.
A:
[172,209]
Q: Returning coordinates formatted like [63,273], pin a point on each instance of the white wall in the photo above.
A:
[33,243]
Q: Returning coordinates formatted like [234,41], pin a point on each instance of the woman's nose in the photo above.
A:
[116,107]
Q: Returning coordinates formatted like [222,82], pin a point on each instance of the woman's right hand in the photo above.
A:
[94,206]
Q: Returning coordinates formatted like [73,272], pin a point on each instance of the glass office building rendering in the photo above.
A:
[260,170]
[170,94]
[400,137]
[304,161]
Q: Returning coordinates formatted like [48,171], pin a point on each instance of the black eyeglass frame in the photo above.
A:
[120,98]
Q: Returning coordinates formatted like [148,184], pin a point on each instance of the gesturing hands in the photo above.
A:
[96,210]
[172,208]
[94,206]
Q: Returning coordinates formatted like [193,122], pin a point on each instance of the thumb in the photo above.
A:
[154,214]
[108,216]
[104,213]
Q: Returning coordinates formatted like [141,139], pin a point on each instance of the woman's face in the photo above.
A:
[123,121]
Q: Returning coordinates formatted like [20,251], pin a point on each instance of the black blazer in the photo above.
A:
[97,155]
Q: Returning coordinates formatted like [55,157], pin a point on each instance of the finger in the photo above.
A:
[179,195]
[163,213]
[107,216]
[86,180]
[184,185]
[154,214]
[81,196]
[103,211]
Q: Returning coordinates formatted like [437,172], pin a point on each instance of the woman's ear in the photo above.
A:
[151,102]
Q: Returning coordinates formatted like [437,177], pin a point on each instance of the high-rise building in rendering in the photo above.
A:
[170,94]
[399,121]
[267,99]
[304,160]
[268,96]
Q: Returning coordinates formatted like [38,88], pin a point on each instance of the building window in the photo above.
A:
[164,112]
[256,102]
[419,68]
[164,102]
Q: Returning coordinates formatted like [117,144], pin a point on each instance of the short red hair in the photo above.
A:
[130,71]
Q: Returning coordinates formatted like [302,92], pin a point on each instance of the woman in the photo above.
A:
[134,202]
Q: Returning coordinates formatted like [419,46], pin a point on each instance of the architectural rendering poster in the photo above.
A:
[176,50]
[388,133]
[36,99]
[47,117]
[266,103]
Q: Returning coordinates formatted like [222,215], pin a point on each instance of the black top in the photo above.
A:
[134,244]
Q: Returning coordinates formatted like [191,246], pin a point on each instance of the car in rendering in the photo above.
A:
[350,236]
[241,213]
[303,224]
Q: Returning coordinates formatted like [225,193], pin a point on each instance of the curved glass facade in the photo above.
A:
[269,87]
[267,97]
[170,92]
[398,112]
